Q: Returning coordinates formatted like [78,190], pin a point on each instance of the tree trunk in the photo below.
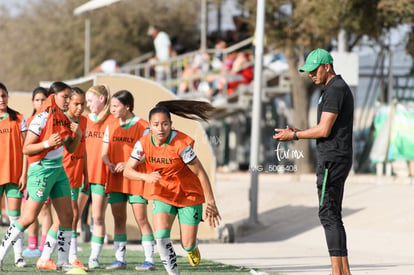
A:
[300,98]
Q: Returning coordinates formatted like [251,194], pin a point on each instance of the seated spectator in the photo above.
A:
[194,71]
[217,60]
[109,66]
[237,69]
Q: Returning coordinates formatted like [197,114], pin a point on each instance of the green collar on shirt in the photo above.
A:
[128,125]
[93,117]
[6,116]
[168,139]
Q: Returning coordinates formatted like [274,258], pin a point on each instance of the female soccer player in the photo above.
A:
[175,179]
[119,139]
[13,168]
[75,168]
[98,101]
[49,131]
[39,96]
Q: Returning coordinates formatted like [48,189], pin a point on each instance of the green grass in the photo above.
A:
[133,257]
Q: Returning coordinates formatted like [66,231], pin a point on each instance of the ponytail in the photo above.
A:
[190,109]
[12,113]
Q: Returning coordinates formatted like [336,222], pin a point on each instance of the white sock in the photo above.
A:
[167,255]
[50,245]
[148,250]
[96,249]
[64,238]
[18,244]
[12,233]
[120,251]
[73,250]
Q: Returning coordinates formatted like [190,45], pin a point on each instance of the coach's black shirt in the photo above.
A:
[336,98]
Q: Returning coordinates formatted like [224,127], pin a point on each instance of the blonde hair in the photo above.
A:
[102,90]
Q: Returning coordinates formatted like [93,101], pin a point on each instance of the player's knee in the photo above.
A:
[188,244]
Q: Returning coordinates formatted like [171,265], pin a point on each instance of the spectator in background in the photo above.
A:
[217,60]
[177,47]
[237,69]
[109,66]
[163,51]
[194,71]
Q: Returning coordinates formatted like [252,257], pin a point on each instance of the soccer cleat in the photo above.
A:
[117,265]
[32,253]
[145,266]
[20,263]
[46,264]
[93,263]
[79,264]
[194,257]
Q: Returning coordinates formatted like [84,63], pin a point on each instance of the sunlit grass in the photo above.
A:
[134,257]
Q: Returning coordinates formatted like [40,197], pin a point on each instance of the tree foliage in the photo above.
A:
[44,40]
[298,26]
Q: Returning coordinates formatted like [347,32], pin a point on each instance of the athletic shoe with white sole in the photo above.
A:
[117,265]
[93,263]
[145,266]
[32,253]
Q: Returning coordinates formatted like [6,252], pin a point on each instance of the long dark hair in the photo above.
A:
[12,113]
[126,98]
[191,109]
[57,87]
[38,90]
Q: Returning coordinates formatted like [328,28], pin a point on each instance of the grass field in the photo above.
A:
[134,258]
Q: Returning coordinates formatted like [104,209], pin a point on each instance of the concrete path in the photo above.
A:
[378,216]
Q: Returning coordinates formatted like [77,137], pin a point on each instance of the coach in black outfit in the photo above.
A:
[333,135]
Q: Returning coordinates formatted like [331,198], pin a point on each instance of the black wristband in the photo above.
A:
[294,136]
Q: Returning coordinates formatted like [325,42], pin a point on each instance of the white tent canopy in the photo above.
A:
[93,5]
